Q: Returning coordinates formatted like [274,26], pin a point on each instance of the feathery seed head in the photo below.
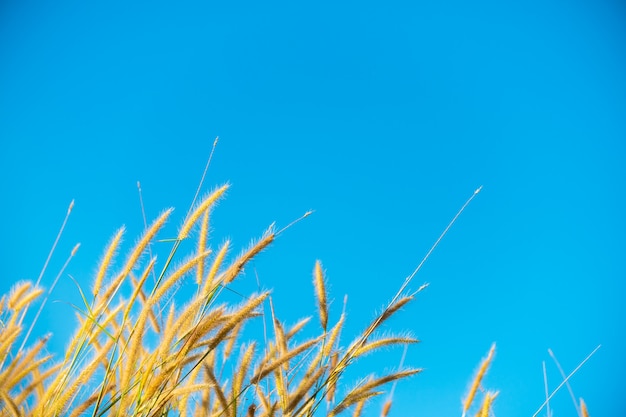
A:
[479,376]
[320,292]
[202,207]
[386,408]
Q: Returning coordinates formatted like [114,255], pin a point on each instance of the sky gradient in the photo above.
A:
[384,119]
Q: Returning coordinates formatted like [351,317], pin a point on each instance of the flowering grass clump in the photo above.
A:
[138,352]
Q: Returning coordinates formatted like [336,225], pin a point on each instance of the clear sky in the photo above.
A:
[383,117]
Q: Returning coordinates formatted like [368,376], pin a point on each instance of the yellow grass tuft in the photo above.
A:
[486,405]
[358,410]
[22,295]
[208,286]
[202,207]
[583,409]
[477,379]
[383,342]
[320,292]
[202,242]
[109,254]
[386,407]
[235,268]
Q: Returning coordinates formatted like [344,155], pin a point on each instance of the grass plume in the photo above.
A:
[482,371]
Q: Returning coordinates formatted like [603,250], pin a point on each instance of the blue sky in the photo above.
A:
[383,118]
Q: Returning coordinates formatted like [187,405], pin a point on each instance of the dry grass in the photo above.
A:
[476,383]
[135,352]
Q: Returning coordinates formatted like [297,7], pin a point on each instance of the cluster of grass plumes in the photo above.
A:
[484,407]
[136,352]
